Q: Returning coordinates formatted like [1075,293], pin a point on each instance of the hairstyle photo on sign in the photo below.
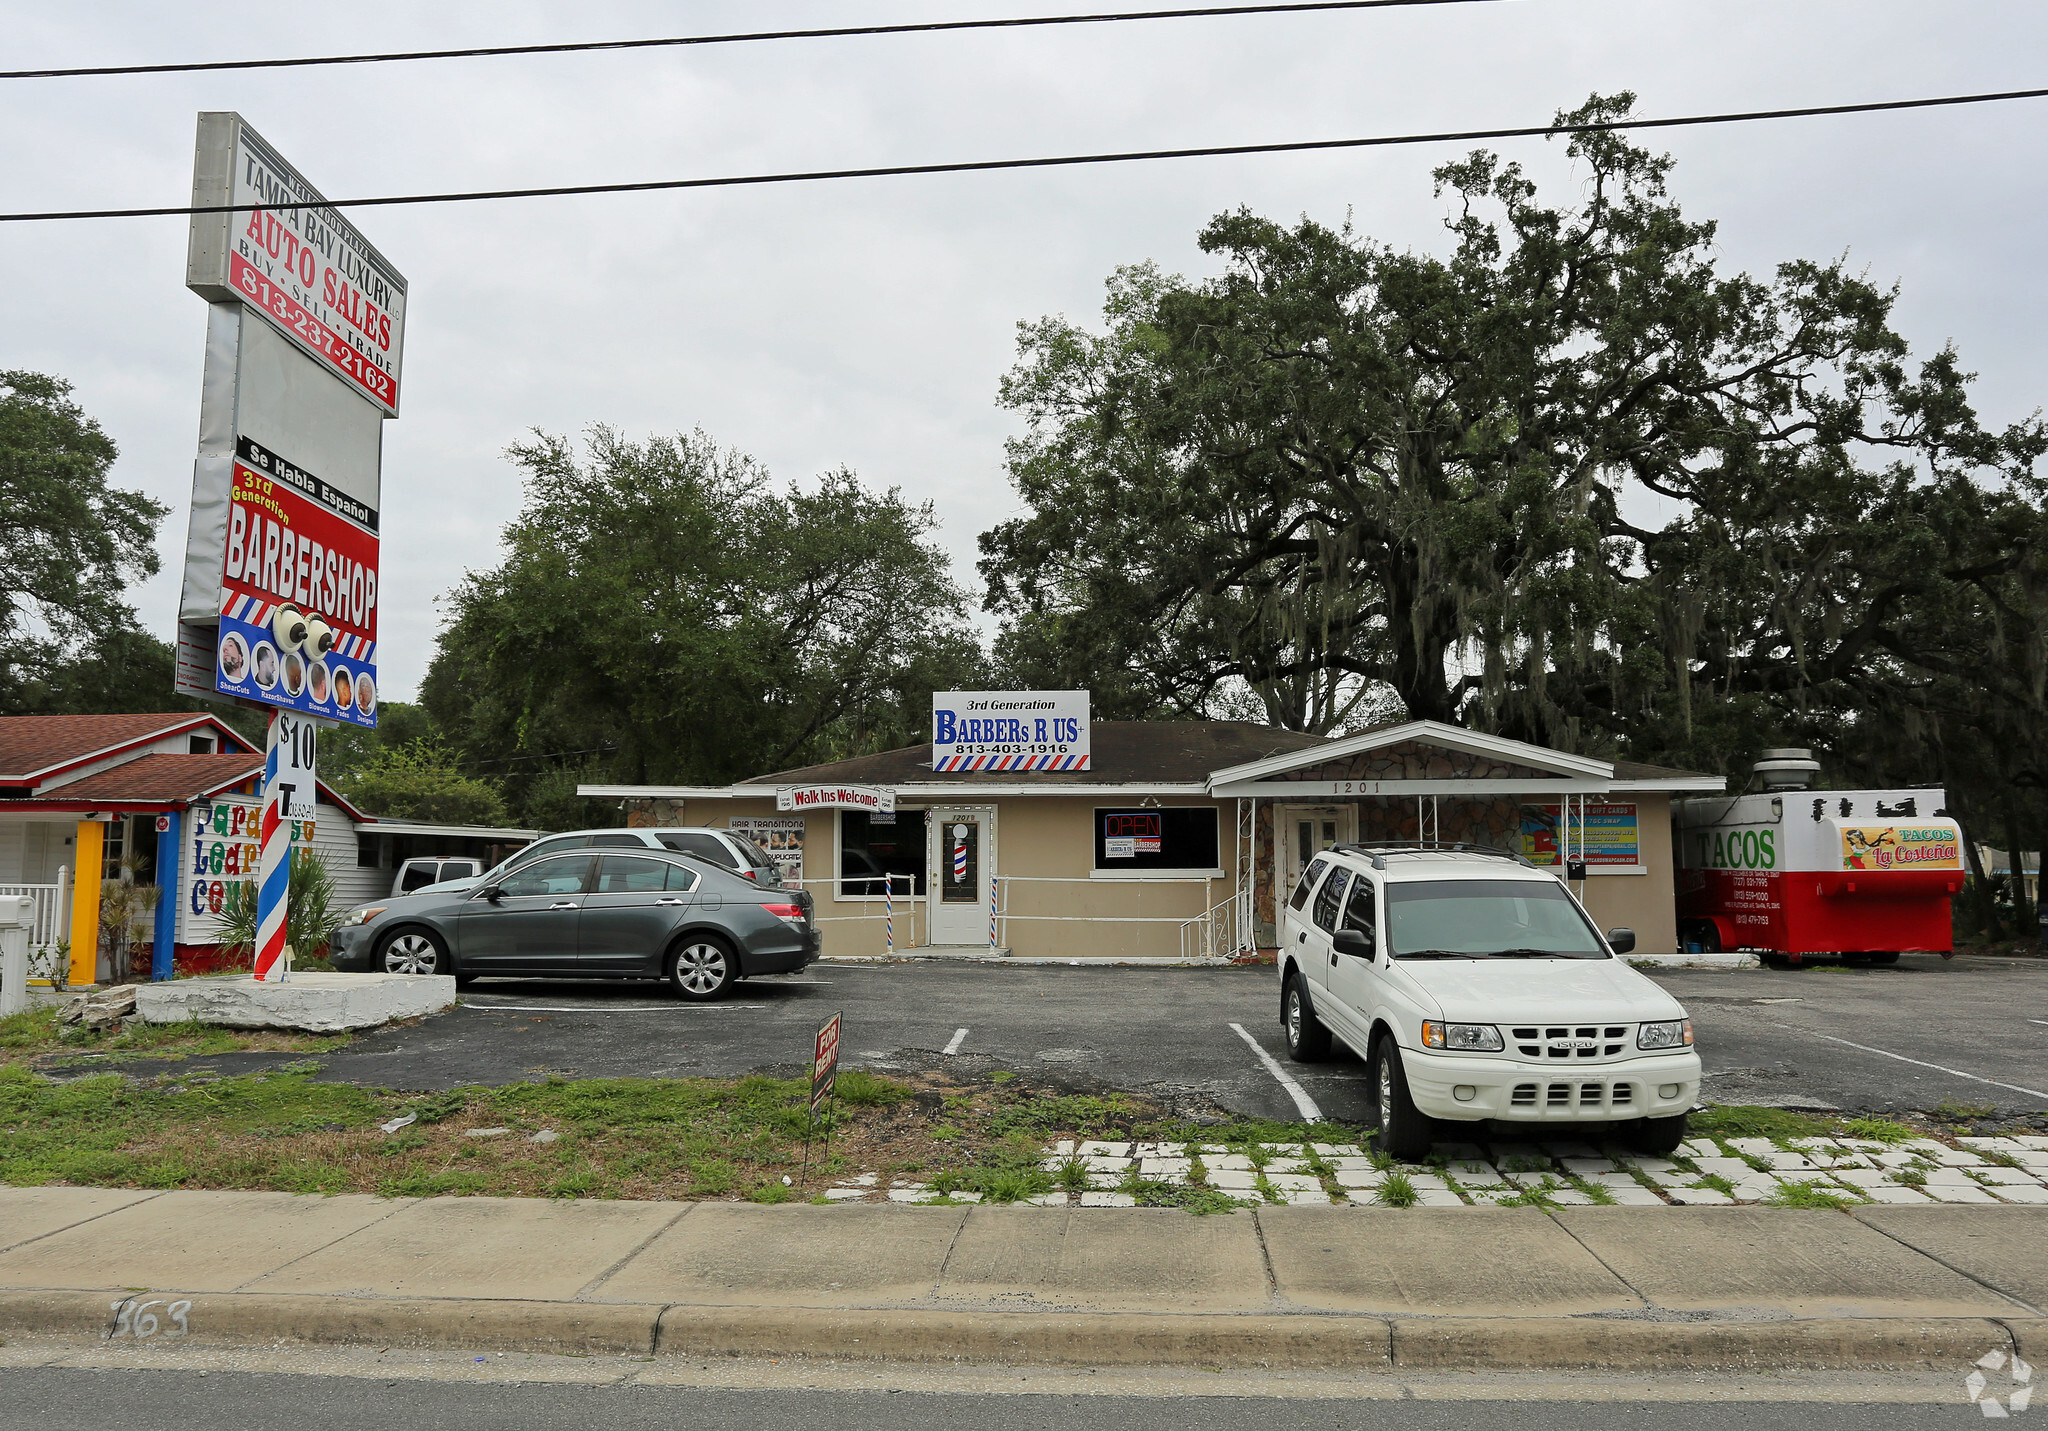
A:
[294,673]
[344,688]
[1137,841]
[266,665]
[366,694]
[317,682]
[234,657]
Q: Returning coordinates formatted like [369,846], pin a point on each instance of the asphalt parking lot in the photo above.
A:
[1921,1033]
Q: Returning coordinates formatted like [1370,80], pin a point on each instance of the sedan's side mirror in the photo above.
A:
[491,892]
[1620,940]
[1355,942]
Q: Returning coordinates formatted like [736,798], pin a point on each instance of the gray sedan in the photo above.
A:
[615,914]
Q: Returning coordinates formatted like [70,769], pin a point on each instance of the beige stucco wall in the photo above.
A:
[1052,837]
[1645,903]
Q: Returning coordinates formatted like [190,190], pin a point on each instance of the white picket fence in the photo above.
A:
[50,922]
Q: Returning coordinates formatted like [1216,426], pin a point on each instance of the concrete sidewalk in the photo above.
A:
[1613,1288]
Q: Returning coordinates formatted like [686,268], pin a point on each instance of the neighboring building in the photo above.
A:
[176,800]
[1185,836]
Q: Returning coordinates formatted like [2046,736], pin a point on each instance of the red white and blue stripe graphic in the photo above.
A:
[274,869]
[250,611]
[1011,762]
[959,860]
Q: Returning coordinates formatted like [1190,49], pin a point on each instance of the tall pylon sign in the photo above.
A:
[305,337]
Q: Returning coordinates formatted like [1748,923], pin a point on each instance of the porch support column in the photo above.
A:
[163,949]
[85,902]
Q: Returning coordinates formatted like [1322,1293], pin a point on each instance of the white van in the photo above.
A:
[1475,987]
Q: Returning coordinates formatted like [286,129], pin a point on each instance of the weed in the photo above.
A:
[1396,1191]
[1718,1183]
[1072,1176]
[1001,1075]
[771,1193]
[1739,1120]
[1911,1176]
[1811,1194]
[1601,1195]
[1078,1113]
[861,1089]
[440,1107]
[1950,1111]
[1878,1130]
[1200,1201]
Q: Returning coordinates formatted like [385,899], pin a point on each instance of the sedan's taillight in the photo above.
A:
[748,873]
[793,913]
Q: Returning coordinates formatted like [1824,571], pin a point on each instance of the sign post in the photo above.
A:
[288,779]
[824,1076]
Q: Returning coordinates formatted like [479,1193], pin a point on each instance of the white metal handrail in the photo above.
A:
[1000,916]
[47,925]
[888,911]
[1206,935]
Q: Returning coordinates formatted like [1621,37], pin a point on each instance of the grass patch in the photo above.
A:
[1951,1112]
[1396,1191]
[1751,1121]
[861,1089]
[1878,1130]
[35,1034]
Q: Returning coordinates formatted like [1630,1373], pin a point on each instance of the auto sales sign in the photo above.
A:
[302,266]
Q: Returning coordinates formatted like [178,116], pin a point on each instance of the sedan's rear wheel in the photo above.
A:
[414,951]
[703,968]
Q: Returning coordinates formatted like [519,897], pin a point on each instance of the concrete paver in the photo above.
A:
[1430,1260]
[480,1247]
[735,1254]
[1804,1263]
[1136,1259]
[29,1213]
[2003,1247]
[191,1241]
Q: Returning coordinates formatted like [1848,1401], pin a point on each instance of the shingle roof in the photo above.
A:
[1122,752]
[32,744]
[152,778]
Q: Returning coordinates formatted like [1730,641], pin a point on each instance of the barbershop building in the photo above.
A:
[1182,838]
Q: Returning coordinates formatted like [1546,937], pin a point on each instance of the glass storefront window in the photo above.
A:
[874,845]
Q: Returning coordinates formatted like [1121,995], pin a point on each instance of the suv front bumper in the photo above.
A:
[1517,1092]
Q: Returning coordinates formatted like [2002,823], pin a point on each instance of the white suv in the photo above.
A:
[1475,987]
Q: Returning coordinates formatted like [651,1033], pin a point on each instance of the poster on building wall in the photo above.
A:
[223,848]
[1610,834]
[782,836]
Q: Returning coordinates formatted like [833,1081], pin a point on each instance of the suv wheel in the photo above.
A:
[1405,1131]
[1307,1040]
[1659,1136]
[413,951]
[702,968]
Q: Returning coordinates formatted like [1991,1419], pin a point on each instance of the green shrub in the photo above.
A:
[866,1090]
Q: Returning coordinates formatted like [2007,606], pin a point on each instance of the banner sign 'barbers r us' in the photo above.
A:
[1009,730]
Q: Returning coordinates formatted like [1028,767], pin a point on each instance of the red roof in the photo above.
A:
[161,778]
[32,746]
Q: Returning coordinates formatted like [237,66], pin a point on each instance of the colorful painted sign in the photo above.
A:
[1602,834]
[1010,730]
[1901,847]
[294,540]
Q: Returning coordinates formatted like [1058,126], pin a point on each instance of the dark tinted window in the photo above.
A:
[616,841]
[1359,910]
[1159,839]
[567,875]
[704,847]
[1309,877]
[1330,898]
[623,874]
[418,875]
[756,856]
[460,869]
[872,845]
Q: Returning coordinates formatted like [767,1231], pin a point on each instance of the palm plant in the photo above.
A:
[310,917]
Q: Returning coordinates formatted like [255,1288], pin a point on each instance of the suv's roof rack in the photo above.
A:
[1375,850]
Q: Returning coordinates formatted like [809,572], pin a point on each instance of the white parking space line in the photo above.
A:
[1916,1062]
[1309,1112]
[620,1009]
[959,1037]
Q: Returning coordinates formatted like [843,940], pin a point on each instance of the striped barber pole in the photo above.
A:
[274,868]
[992,913]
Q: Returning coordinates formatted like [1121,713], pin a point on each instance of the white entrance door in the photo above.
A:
[1305,831]
[961,861]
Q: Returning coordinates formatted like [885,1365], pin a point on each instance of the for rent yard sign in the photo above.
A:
[825,1063]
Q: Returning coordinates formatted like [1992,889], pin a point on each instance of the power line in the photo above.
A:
[838,32]
[1062,161]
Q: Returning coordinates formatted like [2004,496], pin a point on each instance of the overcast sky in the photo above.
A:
[867,322]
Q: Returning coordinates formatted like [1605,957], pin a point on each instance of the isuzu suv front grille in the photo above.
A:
[1560,1042]
[1566,1099]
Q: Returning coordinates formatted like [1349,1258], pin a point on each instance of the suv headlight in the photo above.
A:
[1461,1038]
[364,915]
[1671,1033]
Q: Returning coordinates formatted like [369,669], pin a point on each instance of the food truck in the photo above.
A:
[1792,872]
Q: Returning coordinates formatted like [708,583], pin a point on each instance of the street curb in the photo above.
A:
[1298,1341]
